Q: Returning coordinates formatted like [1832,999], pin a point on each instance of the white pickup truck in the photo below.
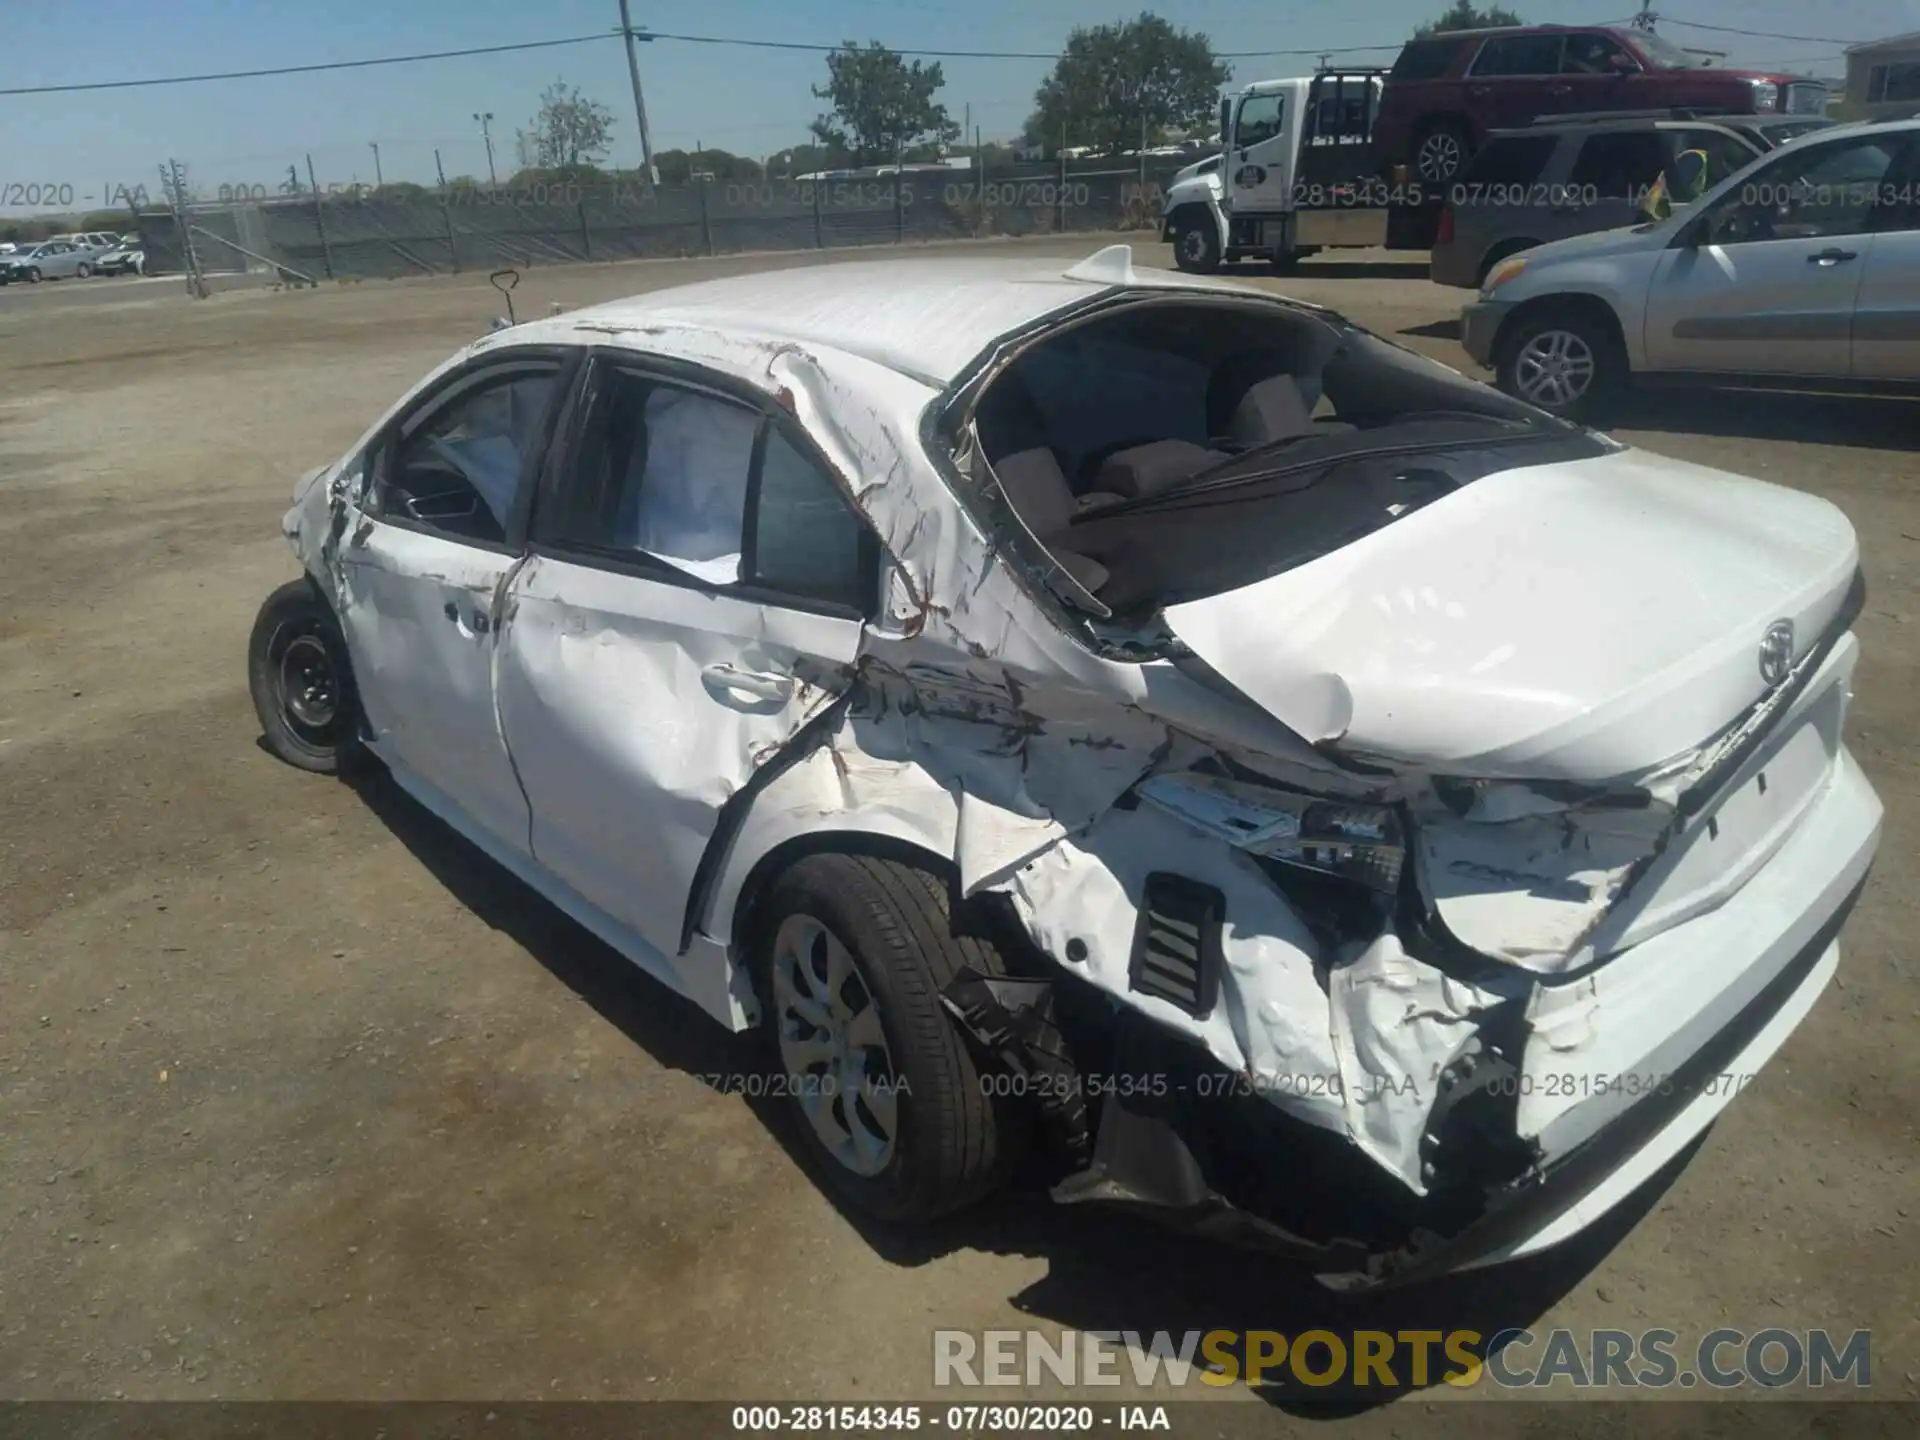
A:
[1295,175]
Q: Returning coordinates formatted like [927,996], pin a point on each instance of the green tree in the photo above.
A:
[569,133]
[1464,15]
[678,167]
[882,106]
[1112,81]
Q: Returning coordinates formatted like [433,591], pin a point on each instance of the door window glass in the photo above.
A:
[456,468]
[1618,164]
[1259,120]
[806,541]
[1595,55]
[1807,194]
[1519,55]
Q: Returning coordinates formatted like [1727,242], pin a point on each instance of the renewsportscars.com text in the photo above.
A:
[1393,1360]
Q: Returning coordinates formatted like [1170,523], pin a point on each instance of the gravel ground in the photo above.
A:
[302,1097]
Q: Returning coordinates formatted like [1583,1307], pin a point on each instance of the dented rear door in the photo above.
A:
[695,595]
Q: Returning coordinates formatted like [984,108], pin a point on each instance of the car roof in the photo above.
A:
[926,318]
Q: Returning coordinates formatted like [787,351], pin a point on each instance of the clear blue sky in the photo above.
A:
[748,101]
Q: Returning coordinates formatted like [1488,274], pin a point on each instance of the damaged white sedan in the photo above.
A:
[1328,803]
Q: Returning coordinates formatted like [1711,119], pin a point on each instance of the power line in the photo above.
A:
[813,48]
[1757,34]
[816,48]
[303,69]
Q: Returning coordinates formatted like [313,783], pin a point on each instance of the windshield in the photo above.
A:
[1663,54]
[1170,450]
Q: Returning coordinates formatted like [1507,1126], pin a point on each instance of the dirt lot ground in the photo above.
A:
[301,1097]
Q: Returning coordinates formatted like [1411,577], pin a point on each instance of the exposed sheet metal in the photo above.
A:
[1397,1024]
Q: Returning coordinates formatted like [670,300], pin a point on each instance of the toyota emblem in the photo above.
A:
[1776,652]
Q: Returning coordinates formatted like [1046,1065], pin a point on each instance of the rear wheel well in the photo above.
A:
[984,916]
[784,856]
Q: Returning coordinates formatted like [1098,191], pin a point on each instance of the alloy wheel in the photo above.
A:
[839,1068]
[1554,369]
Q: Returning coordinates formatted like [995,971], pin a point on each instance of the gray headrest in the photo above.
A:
[1271,410]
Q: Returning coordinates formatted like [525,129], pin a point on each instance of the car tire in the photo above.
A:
[1567,361]
[1441,150]
[849,955]
[82,270]
[33,274]
[302,681]
[1196,245]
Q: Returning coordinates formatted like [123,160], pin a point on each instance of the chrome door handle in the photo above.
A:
[1831,256]
[749,682]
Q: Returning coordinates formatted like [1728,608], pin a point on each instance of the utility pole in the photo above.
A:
[173,179]
[639,101]
[379,180]
[486,134]
[1644,20]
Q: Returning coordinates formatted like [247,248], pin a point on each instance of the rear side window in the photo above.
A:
[1517,160]
[804,540]
[1425,59]
[1619,164]
[1520,55]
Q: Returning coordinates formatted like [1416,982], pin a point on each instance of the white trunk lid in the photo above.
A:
[1580,621]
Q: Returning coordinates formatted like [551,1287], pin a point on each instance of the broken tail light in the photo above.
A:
[1356,841]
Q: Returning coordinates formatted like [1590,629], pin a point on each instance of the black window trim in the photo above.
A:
[379,454]
[601,359]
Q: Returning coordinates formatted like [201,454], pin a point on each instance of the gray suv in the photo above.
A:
[1575,175]
[1803,266]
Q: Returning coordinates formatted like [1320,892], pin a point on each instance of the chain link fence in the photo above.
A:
[446,230]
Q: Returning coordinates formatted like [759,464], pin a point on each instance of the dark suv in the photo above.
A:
[1573,176]
[1446,92]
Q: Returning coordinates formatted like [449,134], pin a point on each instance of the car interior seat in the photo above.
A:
[1255,398]
[1013,437]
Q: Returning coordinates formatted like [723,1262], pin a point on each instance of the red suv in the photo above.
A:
[1446,91]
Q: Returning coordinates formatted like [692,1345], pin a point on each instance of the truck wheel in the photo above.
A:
[1441,152]
[301,681]
[1565,361]
[849,955]
[1196,245]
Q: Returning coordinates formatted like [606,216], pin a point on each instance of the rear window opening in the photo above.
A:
[1165,450]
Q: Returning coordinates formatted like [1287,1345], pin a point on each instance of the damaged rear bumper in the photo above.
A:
[1697,1011]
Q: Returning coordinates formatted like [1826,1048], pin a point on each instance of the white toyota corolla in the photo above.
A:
[1327,803]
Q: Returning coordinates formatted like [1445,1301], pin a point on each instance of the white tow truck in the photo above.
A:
[1295,175]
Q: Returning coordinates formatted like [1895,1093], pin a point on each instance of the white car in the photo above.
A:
[1330,803]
